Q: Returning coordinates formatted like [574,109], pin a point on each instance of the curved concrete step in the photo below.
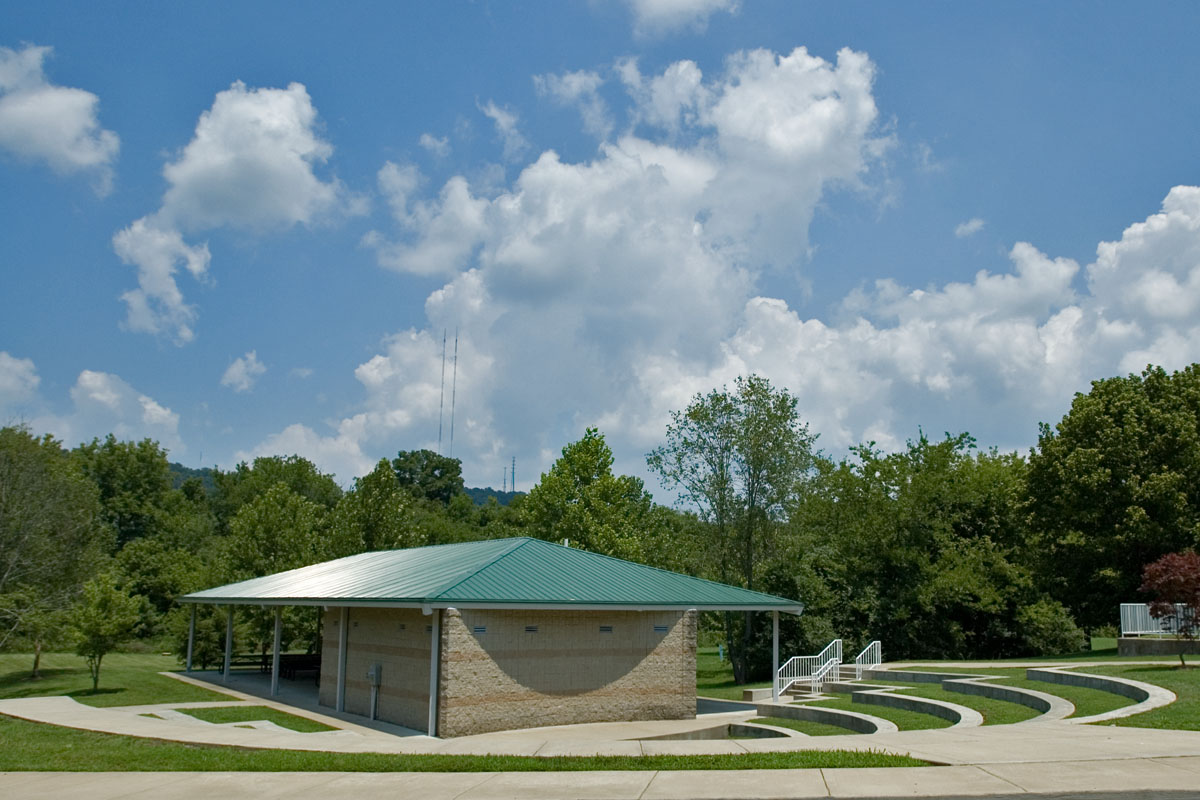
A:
[1052,707]
[958,716]
[852,721]
[1148,695]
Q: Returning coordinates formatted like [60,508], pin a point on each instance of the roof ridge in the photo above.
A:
[519,541]
[670,572]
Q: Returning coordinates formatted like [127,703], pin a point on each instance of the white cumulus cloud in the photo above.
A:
[18,384]
[241,375]
[660,17]
[57,125]
[250,166]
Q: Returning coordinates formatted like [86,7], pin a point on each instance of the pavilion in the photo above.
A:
[466,638]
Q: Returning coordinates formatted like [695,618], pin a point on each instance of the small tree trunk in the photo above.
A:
[37,659]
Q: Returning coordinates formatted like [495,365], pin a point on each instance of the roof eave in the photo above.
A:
[796,609]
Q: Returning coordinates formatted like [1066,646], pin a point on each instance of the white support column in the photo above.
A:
[435,642]
[228,644]
[343,641]
[775,656]
[191,637]
[275,653]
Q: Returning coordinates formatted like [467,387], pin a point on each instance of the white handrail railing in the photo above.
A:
[798,668]
[819,676]
[869,658]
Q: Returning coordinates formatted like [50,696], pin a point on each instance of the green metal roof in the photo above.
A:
[501,573]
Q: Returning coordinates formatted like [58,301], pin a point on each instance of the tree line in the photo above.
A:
[939,549]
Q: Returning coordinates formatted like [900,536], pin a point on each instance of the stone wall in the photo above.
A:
[502,670]
[398,639]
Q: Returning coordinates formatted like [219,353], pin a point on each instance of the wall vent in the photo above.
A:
[606,628]
[429,629]
[480,629]
[661,629]
[531,628]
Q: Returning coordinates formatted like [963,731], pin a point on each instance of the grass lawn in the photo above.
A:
[32,746]
[126,679]
[1183,714]
[904,720]
[225,714]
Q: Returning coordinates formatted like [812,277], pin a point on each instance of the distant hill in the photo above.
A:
[480,496]
[180,473]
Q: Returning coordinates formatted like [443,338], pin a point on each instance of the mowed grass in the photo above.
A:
[29,746]
[1086,701]
[221,715]
[126,679]
[1183,714]
[904,720]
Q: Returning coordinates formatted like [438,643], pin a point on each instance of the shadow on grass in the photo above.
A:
[95,692]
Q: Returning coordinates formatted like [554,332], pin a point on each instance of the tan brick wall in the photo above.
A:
[567,672]
[395,638]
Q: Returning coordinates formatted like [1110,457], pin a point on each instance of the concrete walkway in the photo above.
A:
[1045,757]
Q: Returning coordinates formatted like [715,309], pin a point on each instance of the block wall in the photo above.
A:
[502,670]
[396,638]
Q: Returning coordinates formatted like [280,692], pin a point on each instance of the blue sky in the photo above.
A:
[242,229]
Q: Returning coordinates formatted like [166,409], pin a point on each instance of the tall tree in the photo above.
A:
[134,479]
[429,475]
[737,457]
[580,499]
[277,531]
[1114,485]
[52,537]
[246,482]
[374,516]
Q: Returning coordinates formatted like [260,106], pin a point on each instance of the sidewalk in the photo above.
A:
[1161,778]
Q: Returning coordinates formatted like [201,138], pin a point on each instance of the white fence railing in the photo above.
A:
[870,658]
[799,668]
[1136,620]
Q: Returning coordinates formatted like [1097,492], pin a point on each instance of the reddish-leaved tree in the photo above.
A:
[1174,581]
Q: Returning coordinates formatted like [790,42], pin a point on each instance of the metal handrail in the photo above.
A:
[798,668]
[869,658]
[818,677]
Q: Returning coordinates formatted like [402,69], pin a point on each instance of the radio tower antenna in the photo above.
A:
[514,473]
[453,391]
[442,397]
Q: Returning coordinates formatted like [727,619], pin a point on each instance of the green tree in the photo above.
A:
[580,499]
[920,548]
[738,458]
[134,479]
[104,618]
[277,531]
[247,482]
[374,516]
[429,475]
[52,538]
[1113,486]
